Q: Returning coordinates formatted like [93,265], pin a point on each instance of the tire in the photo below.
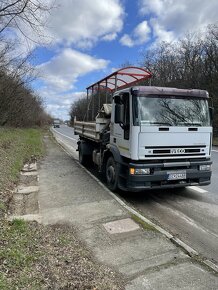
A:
[82,158]
[85,160]
[112,174]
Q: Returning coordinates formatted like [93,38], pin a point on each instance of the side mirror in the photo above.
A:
[119,114]
[211,111]
[118,99]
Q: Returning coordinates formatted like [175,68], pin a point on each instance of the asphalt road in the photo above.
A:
[191,214]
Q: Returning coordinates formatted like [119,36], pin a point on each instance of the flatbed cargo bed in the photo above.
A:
[92,130]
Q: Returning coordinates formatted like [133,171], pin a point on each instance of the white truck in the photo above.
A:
[149,137]
[56,123]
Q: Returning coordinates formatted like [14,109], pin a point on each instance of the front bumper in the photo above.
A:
[159,176]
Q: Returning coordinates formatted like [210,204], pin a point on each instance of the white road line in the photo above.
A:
[65,135]
[214,150]
[198,189]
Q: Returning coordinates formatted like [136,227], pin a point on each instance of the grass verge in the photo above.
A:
[17,146]
[144,225]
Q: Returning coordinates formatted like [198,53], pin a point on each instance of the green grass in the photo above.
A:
[18,252]
[16,147]
[144,225]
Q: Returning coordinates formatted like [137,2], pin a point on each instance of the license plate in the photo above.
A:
[175,175]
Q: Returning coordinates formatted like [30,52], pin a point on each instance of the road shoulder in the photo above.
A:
[80,200]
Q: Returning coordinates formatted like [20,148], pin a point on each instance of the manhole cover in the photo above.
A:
[121,226]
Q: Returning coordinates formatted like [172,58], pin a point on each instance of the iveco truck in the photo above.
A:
[148,137]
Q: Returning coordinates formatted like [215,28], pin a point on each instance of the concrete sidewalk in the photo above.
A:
[146,258]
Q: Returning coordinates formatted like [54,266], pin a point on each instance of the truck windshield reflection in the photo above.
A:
[170,111]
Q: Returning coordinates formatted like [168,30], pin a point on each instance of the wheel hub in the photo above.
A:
[111,173]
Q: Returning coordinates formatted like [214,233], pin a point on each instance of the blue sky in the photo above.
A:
[88,39]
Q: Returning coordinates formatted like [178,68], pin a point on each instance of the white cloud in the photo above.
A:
[84,22]
[58,105]
[71,22]
[160,33]
[110,36]
[140,35]
[171,19]
[63,70]
[59,76]
[127,40]
[141,32]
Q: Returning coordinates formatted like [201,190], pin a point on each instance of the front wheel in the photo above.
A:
[112,174]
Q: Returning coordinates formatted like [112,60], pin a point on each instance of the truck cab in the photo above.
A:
[163,137]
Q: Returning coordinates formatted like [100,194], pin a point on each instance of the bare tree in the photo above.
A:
[20,13]
[191,62]
[19,106]
[78,109]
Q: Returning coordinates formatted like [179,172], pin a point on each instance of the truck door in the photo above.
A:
[120,131]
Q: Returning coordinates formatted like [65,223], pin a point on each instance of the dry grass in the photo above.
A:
[16,147]
[36,257]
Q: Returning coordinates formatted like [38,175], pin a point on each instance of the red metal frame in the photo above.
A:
[119,76]
[119,79]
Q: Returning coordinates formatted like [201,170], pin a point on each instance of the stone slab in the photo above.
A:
[83,214]
[29,173]
[121,226]
[27,217]
[30,167]
[31,203]
[131,254]
[25,190]
[186,276]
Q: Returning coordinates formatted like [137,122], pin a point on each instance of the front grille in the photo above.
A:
[169,151]
[170,155]
[165,151]
[186,146]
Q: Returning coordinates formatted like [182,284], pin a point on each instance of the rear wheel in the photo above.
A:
[112,174]
[84,159]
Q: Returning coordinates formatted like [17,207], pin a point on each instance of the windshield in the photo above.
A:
[170,111]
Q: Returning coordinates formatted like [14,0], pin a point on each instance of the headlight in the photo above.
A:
[205,167]
[139,171]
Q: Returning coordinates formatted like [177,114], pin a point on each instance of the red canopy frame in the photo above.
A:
[119,79]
